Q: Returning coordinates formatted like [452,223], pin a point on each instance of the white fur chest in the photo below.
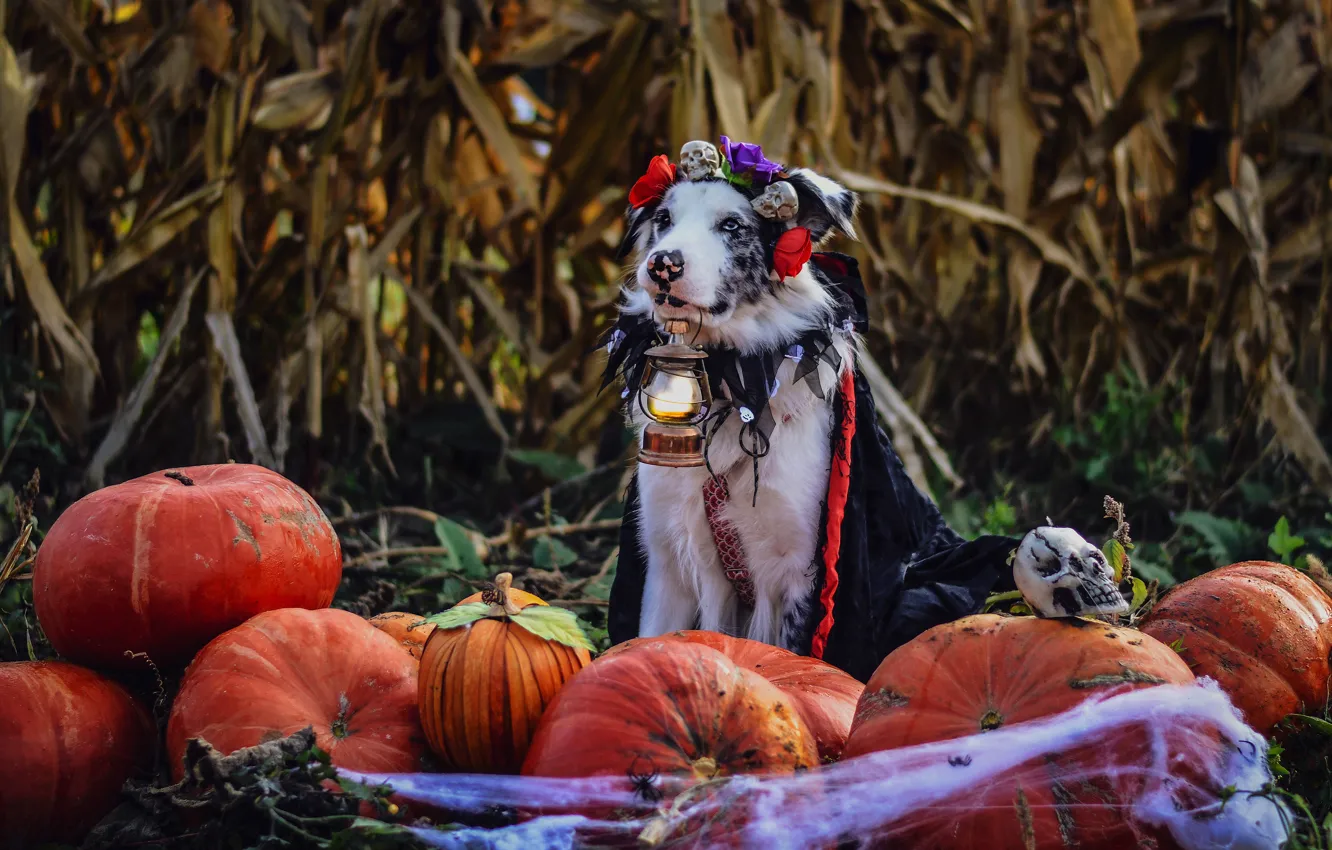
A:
[686,586]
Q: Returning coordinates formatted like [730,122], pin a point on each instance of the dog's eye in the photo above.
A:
[730,225]
[662,218]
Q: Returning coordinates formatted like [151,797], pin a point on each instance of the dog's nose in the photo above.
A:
[665,267]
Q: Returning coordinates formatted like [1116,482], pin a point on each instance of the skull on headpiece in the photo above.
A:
[700,160]
[779,201]
[1062,575]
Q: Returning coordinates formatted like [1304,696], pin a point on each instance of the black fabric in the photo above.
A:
[901,568]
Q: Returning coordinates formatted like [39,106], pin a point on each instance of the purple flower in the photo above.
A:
[746,158]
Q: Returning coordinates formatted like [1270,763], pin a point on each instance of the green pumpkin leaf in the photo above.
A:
[1116,555]
[1316,723]
[1282,542]
[458,616]
[551,553]
[1139,594]
[554,624]
[461,557]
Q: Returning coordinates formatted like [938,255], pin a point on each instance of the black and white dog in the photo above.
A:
[803,530]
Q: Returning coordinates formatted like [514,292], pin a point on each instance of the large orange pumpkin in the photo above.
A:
[69,738]
[165,563]
[986,671]
[485,683]
[670,707]
[404,628]
[284,670]
[824,695]
[1263,631]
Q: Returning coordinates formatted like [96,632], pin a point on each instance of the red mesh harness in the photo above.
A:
[731,549]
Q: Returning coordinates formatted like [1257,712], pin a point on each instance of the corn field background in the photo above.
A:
[371,244]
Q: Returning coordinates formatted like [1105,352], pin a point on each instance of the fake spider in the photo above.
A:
[645,784]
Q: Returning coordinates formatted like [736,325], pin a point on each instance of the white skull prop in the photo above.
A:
[700,160]
[779,201]
[1062,575]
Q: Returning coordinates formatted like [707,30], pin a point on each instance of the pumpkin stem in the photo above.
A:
[339,728]
[704,768]
[181,477]
[498,597]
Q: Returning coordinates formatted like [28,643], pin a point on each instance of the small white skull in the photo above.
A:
[1062,575]
[700,160]
[779,201]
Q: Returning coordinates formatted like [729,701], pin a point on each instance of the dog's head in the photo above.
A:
[703,245]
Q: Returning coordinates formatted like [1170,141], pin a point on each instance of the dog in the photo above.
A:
[733,254]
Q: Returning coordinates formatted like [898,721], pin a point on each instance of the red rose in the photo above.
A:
[791,252]
[651,186]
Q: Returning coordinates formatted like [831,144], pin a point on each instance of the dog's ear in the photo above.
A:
[825,205]
[636,220]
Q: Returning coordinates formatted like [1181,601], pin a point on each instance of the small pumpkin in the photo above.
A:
[670,707]
[284,670]
[825,696]
[164,563]
[407,629]
[69,738]
[1263,631]
[987,671]
[488,671]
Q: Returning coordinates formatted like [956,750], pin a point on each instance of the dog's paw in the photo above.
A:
[1062,575]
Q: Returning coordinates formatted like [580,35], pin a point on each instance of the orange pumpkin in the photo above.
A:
[486,679]
[164,563]
[402,627]
[824,695]
[986,671]
[69,739]
[1263,631]
[673,707]
[284,670]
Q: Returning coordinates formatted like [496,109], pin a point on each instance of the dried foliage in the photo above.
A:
[380,235]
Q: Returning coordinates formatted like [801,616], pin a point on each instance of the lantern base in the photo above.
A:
[671,445]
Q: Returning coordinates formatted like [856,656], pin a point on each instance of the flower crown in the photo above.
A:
[742,164]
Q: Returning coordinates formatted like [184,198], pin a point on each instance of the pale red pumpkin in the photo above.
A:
[672,707]
[825,696]
[1263,631]
[287,669]
[985,672]
[165,563]
[69,738]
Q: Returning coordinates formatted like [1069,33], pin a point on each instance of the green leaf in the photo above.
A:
[554,466]
[554,624]
[1115,554]
[461,557]
[550,553]
[1139,594]
[1316,723]
[1177,644]
[1227,540]
[458,616]
[1282,542]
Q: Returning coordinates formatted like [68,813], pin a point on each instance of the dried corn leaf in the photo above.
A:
[223,331]
[572,25]
[210,30]
[465,368]
[1294,430]
[60,16]
[289,23]
[715,37]
[151,236]
[363,299]
[890,401]
[122,426]
[492,124]
[302,100]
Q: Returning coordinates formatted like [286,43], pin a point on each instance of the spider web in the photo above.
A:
[1170,764]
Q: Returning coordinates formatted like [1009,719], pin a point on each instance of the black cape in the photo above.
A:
[900,569]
